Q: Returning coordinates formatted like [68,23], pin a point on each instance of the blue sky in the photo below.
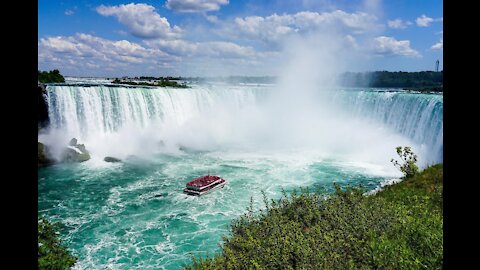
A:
[229,37]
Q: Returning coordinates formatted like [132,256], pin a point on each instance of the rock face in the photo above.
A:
[42,108]
[112,159]
[43,159]
[73,142]
[75,152]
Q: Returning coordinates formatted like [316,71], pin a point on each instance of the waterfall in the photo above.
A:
[83,111]
[99,114]
[414,115]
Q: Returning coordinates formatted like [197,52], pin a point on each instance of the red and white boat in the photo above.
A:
[204,185]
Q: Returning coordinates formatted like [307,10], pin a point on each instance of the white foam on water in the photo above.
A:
[387,182]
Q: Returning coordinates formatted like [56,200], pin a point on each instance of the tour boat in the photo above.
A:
[204,185]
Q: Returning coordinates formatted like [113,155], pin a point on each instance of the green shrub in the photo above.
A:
[52,254]
[398,228]
[408,168]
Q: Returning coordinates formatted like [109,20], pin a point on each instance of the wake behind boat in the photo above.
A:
[204,185]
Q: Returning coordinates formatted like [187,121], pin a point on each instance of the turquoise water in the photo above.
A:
[133,215]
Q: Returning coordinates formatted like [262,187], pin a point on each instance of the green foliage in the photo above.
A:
[408,168]
[163,82]
[52,254]
[52,76]
[421,81]
[398,228]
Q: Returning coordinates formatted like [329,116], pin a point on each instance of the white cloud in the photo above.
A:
[390,46]
[69,12]
[141,20]
[212,19]
[212,49]
[88,54]
[275,27]
[195,5]
[398,24]
[424,21]
[216,58]
[438,45]
[351,41]
[83,50]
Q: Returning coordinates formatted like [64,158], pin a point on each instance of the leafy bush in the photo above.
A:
[409,168]
[398,228]
[52,254]
[53,76]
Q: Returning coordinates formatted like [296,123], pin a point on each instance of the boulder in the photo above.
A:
[112,159]
[43,158]
[73,142]
[75,152]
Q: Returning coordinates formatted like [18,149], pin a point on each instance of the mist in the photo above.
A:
[296,114]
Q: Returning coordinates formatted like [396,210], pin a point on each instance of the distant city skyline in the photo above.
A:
[235,38]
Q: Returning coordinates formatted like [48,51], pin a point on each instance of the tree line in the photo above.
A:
[399,79]
[52,76]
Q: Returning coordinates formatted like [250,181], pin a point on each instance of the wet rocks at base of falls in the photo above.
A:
[112,159]
[75,152]
[43,158]
[42,108]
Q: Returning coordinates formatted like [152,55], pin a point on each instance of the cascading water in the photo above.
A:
[136,119]
[133,214]
[99,114]
[416,116]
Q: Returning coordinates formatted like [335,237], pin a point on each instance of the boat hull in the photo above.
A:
[203,192]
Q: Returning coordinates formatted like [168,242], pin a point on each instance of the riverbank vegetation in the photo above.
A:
[429,81]
[400,227]
[52,253]
[162,82]
[52,76]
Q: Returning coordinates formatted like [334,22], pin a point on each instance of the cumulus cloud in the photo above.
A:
[216,58]
[84,50]
[390,46]
[438,45]
[84,53]
[398,24]
[141,20]
[275,27]
[212,19]
[351,41]
[424,21]
[195,5]
[213,49]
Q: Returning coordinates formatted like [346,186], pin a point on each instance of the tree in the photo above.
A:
[409,168]
[52,76]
